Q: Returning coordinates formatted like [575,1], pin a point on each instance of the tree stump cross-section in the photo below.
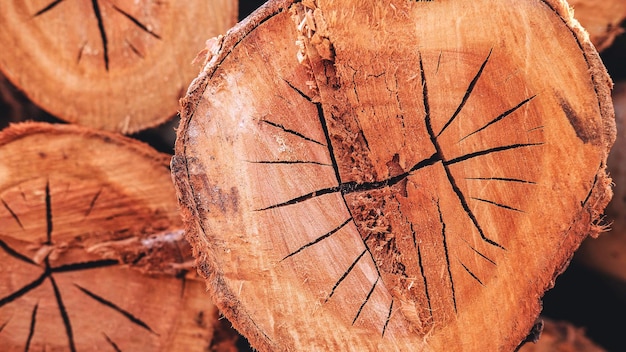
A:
[112,65]
[408,175]
[89,228]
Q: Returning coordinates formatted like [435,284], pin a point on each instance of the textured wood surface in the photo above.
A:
[113,65]
[393,175]
[91,250]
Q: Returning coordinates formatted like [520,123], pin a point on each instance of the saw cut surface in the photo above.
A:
[393,175]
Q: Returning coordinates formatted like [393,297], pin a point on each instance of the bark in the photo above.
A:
[607,253]
[91,250]
[407,176]
[601,18]
[109,65]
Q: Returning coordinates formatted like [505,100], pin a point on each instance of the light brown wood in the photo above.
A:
[601,18]
[112,65]
[91,250]
[393,175]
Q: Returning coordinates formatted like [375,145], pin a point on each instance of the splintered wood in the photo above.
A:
[91,248]
[393,175]
[112,65]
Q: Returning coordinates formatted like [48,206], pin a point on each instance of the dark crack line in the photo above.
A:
[31,331]
[63,312]
[111,343]
[471,273]
[369,295]
[15,254]
[103,34]
[136,22]
[319,239]
[47,8]
[388,318]
[116,308]
[134,49]
[593,185]
[446,164]
[85,265]
[322,121]
[488,151]
[505,179]
[444,240]
[295,133]
[4,324]
[93,202]
[478,252]
[501,116]
[345,274]
[302,198]
[48,214]
[24,290]
[13,215]
[352,187]
[497,204]
[287,162]
[469,91]
[423,273]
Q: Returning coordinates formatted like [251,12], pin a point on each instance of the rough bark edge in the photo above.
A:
[223,298]
[586,223]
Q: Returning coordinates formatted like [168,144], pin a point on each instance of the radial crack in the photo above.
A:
[488,151]
[345,274]
[469,91]
[447,254]
[497,204]
[85,265]
[113,306]
[111,343]
[136,22]
[388,318]
[24,290]
[471,273]
[15,254]
[47,8]
[317,240]
[48,214]
[295,133]
[13,214]
[64,315]
[31,331]
[103,34]
[369,294]
[287,162]
[505,179]
[501,116]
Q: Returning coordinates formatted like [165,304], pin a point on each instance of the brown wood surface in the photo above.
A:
[601,18]
[113,65]
[393,175]
[91,250]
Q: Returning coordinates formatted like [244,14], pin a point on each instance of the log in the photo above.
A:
[601,18]
[409,175]
[108,65]
[91,247]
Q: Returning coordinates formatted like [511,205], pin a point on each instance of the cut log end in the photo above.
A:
[407,175]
